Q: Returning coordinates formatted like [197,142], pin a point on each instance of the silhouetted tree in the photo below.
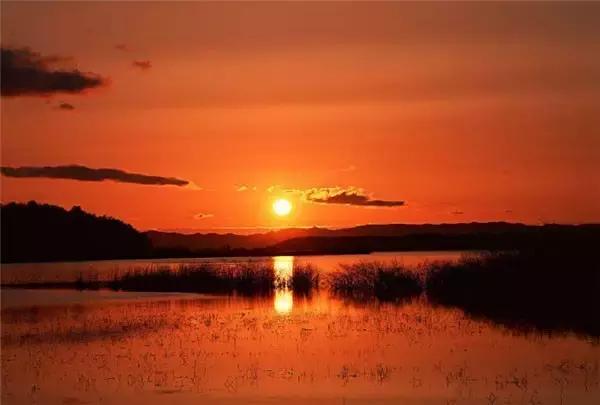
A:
[40,232]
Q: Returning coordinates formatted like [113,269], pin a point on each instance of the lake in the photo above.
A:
[107,269]
[77,347]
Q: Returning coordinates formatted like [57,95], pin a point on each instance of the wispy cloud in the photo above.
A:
[83,173]
[28,73]
[123,47]
[339,195]
[202,215]
[245,187]
[66,106]
[142,64]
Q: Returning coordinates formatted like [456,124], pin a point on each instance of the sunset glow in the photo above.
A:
[495,121]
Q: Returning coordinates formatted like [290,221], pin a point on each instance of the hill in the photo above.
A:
[309,236]
[35,232]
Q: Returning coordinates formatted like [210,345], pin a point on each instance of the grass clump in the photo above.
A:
[385,281]
[304,279]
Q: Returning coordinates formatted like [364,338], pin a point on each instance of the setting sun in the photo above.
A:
[282,207]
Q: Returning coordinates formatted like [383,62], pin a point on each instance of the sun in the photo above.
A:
[282,207]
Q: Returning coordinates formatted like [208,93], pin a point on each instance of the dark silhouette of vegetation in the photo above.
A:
[364,280]
[305,279]
[251,279]
[555,288]
[35,232]
[247,279]
[244,279]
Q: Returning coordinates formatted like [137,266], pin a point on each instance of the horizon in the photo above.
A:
[250,231]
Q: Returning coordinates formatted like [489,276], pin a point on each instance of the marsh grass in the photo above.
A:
[305,279]
[245,279]
[385,281]
[549,289]
[252,279]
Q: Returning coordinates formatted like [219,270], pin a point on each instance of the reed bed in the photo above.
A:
[546,289]
[244,279]
[385,281]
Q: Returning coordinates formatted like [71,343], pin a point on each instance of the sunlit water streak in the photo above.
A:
[283,266]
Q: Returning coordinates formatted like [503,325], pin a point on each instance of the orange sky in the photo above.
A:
[467,112]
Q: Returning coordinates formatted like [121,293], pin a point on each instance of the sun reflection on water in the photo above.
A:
[283,266]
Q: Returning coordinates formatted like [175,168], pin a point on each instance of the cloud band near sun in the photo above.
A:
[28,73]
[83,173]
[340,195]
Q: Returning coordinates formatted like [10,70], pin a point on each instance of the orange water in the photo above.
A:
[92,347]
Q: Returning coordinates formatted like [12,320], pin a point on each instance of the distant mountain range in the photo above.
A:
[199,241]
[385,237]
[41,232]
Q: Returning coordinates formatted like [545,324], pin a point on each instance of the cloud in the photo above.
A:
[339,195]
[82,173]
[348,196]
[122,48]
[201,215]
[66,106]
[27,73]
[245,187]
[457,212]
[142,64]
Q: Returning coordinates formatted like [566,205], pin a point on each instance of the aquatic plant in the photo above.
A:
[385,281]
[548,289]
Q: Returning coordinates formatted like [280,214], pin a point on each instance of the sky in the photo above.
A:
[355,112]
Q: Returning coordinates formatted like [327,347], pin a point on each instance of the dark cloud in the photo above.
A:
[82,173]
[66,106]
[350,196]
[339,195]
[457,212]
[142,64]
[27,73]
[122,47]
[202,215]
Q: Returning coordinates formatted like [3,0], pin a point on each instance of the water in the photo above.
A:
[76,347]
[107,269]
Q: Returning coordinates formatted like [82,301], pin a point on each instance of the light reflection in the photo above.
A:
[284,301]
[283,266]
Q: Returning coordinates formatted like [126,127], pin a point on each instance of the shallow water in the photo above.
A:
[139,348]
[107,269]
[75,347]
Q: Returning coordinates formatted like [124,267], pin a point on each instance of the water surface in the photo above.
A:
[107,269]
[76,347]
